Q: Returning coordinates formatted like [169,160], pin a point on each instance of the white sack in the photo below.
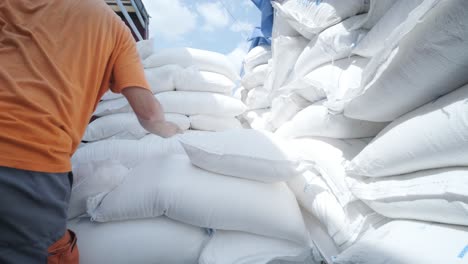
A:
[284,108]
[261,123]
[213,123]
[285,50]
[200,103]
[258,119]
[349,78]
[186,57]
[253,114]
[281,26]
[244,93]
[90,179]
[310,17]
[408,242]
[328,155]
[257,56]
[375,39]
[332,44]
[244,248]
[433,136]
[145,48]
[161,79]
[146,241]
[258,98]
[438,195]
[128,152]
[243,153]
[429,61]
[172,186]
[192,79]
[315,120]
[241,93]
[304,88]
[182,102]
[319,236]
[256,77]
[336,78]
[377,9]
[126,126]
[344,224]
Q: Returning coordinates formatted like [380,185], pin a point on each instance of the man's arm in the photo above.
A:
[149,112]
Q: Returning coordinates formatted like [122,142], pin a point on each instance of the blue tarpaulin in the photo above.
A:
[257,38]
[262,35]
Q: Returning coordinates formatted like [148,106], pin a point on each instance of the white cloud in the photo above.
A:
[214,15]
[247,3]
[240,6]
[170,19]
[242,26]
[237,55]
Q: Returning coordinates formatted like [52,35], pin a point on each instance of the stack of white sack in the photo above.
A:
[233,182]
[322,191]
[321,69]
[326,69]
[193,86]
[417,168]
[102,166]
[253,94]
[256,68]
[332,28]
[416,58]
[203,89]
[287,44]
[310,18]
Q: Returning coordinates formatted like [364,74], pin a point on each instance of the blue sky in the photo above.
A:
[217,25]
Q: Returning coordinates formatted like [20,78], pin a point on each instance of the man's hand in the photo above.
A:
[164,129]
[149,112]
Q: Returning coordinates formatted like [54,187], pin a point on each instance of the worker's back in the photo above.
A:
[57,58]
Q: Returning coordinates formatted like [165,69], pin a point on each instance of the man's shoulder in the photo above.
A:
[96,9]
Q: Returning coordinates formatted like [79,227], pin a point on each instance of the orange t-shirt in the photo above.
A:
[57,58]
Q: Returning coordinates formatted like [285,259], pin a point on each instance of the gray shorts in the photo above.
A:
[33,213]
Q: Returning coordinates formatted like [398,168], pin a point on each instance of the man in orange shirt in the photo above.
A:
[57,58]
